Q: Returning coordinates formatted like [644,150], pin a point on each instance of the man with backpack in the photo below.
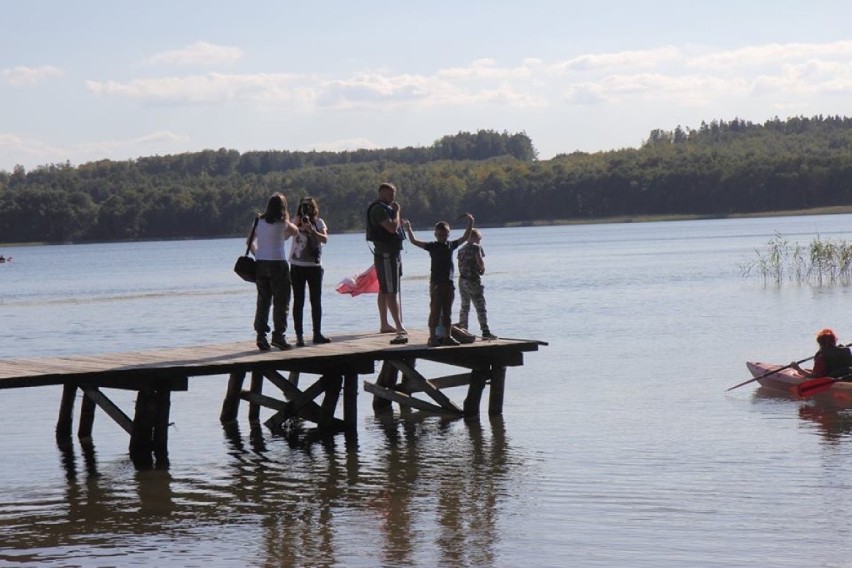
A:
[384,229]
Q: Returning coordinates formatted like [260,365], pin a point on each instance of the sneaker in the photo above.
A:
[320,339]
[435,342]
[300,341]
[281,343]
[488,335]
[262,343]
[450,341]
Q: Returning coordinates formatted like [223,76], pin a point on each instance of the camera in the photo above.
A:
[305,212]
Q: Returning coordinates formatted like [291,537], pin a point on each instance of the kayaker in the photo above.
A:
[831,360]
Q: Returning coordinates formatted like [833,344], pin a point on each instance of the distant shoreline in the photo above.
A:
[839,210]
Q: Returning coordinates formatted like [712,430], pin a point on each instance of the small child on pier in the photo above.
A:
[441,286]
[471,290]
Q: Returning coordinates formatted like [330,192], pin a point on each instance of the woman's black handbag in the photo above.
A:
[245,267]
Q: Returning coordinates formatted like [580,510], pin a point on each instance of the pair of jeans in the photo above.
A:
[273,289]
[311,276]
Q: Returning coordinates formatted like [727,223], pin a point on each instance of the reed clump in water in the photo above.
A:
[823,262]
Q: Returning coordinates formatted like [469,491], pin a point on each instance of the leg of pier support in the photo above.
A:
[64,424]
[350,401]
[149,438]
[387,379]
[231,406]
[498,385]
[333,384]
[163,405]
[141,436]
[87,418]
[474,393]
[256,388]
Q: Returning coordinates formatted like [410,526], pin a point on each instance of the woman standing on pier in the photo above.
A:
[273,273]
[306,268]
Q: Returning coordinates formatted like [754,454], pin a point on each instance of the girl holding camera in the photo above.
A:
[306,268]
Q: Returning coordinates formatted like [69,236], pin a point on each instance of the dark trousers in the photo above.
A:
[311,276]
[273,289]
[441,295]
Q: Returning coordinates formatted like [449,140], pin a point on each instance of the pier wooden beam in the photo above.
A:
[311,410]
[401,398]
[300,401]
[427,387]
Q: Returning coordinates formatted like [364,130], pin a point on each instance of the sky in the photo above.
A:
[88,80]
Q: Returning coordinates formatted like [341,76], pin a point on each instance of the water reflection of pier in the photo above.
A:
[435,483]
[423,486]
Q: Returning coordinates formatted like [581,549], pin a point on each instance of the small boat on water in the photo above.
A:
[787,378]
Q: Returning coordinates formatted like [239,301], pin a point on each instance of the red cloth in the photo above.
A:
[365,283]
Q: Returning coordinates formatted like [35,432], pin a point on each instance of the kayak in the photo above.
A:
[787,378]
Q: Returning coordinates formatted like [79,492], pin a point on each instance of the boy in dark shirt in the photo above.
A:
[441,287]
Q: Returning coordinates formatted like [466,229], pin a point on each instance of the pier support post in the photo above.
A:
[231,406]
[474,392]
[386,379]
[149,438]
[498,386]
[256,388]
[350,401]
[87,418]
[64,424]
[333,384]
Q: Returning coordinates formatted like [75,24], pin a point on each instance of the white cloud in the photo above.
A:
[205,89]
[30,152]
[24,76]
[199,53]
[343,145]
[773,54]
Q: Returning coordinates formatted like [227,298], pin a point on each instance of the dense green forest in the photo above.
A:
[721,168]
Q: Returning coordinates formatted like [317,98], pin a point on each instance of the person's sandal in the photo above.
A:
[400,339]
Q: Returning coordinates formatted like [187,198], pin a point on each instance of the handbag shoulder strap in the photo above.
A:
[251,236]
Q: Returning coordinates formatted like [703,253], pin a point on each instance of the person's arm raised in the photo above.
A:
[411,238]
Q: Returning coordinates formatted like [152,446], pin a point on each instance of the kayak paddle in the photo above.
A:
[813,387]
[767,373]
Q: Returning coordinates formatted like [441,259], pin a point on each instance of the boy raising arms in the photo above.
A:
[441,287]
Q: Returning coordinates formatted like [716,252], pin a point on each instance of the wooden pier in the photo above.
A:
[154,375]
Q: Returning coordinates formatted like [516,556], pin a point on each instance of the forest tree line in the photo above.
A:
[720,168]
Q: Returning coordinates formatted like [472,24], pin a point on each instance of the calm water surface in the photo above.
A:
[618,445]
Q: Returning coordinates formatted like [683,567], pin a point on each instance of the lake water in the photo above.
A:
[618,445]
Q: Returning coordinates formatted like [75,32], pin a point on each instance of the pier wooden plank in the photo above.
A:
[353,353]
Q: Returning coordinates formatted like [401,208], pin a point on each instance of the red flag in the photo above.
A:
[365,283]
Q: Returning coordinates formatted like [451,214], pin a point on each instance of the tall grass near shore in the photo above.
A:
[821,263]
